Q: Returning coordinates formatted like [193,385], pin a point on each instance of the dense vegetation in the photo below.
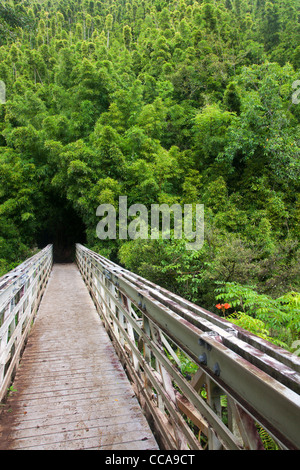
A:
[163,101]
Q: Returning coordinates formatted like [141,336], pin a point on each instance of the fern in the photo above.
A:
[276,320]
[249,323]
[267,440]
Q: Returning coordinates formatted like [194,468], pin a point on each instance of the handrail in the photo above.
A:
[242,384]
[20,293]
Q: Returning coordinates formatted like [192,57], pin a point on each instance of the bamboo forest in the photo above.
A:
[164,102]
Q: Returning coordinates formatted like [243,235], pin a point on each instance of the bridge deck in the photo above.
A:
[71,390]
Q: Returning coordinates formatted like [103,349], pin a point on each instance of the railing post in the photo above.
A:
[214,400]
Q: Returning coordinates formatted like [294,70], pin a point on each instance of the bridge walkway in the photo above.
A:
[70,391]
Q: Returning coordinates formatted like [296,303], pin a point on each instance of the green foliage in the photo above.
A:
[268,442]
[276,320]
[164,102]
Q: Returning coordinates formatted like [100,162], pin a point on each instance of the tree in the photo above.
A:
[127,36]
[108,27]
[188,102]
[231,99]
[271,25]
[108,152]
[211,133]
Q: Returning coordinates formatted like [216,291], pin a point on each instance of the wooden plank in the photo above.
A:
[130,440]
[71,390]
[112,431]
[68,419]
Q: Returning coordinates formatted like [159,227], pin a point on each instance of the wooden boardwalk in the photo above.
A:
[71,390]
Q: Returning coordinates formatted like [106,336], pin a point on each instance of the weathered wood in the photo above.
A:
[21,291]
[260,378]
[71,390]
[191,412]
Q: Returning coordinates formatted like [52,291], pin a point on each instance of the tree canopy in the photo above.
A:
[163,101]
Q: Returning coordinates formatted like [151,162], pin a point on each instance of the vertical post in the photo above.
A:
[214,400]
[244,427]
[147,352]
[127,305]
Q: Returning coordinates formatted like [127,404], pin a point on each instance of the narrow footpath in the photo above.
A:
[70,391]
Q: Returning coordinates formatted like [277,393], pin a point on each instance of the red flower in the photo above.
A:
[223,307]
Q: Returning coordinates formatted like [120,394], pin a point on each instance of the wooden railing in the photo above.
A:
[202,381]
[21,291]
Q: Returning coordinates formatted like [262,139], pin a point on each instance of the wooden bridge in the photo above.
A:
[92,355]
